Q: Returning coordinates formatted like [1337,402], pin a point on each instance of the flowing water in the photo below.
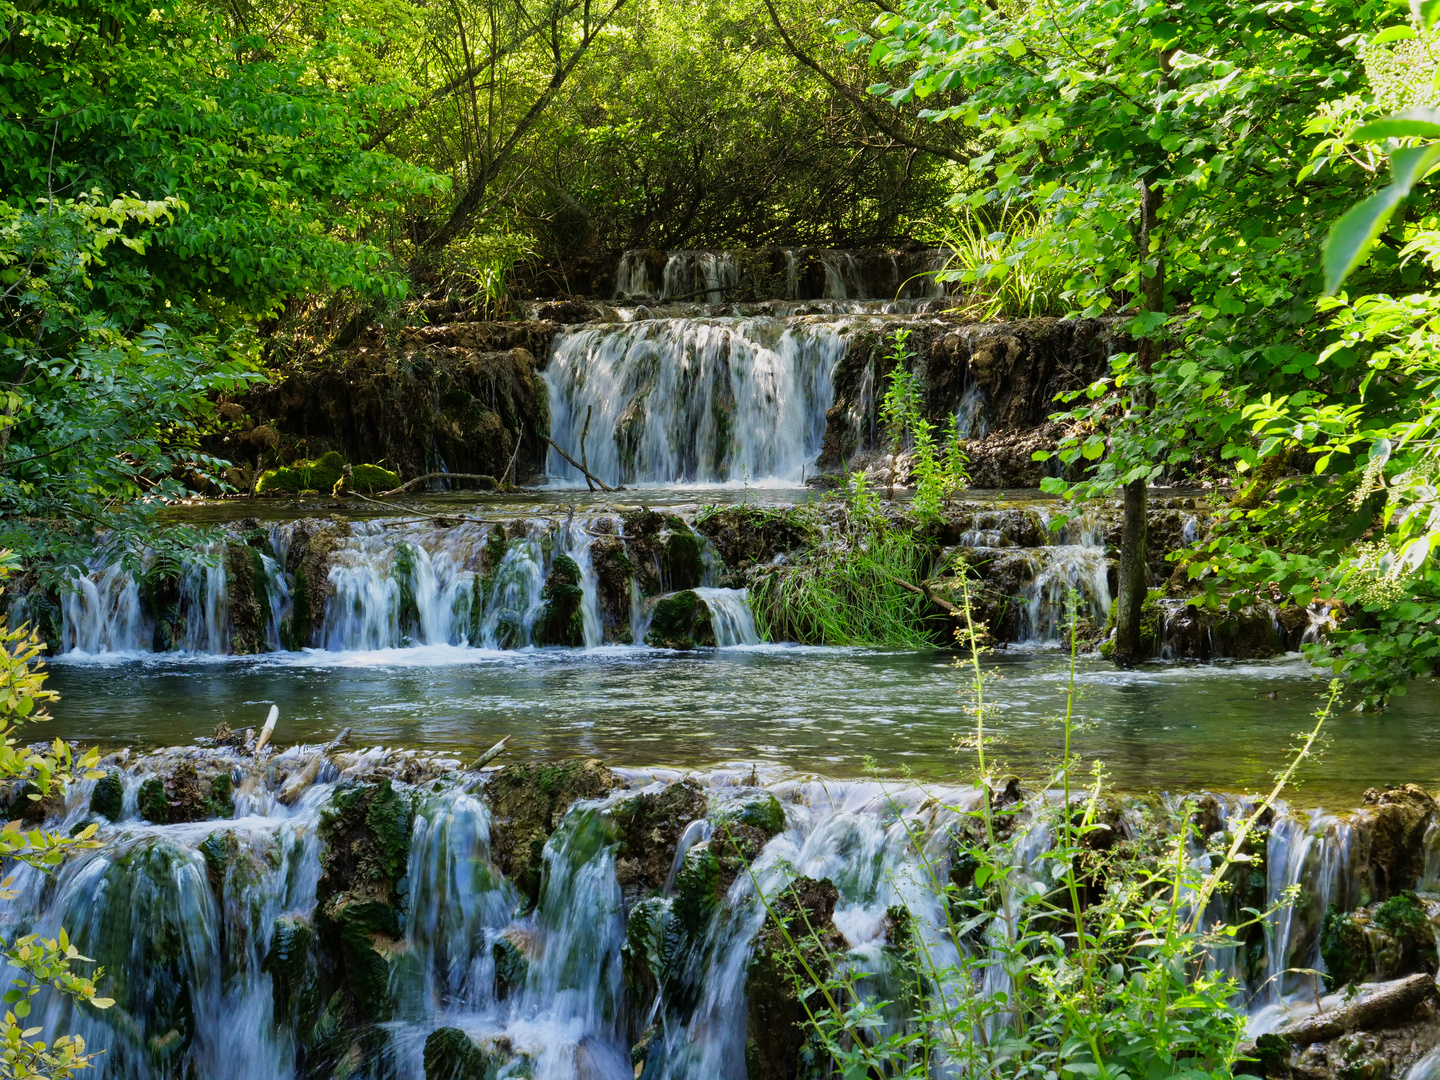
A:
[432,638]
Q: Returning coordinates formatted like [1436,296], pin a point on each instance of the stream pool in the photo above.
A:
[834,712]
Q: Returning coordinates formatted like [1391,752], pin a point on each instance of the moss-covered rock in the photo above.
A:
[560,621]
[107,798]
[1392,851]
[1344,947]
[1382,941]
[613,570]
[249,603]
[451,1054]
[321,475]
[311,554]
[799,928]
[746,536]
[680,621]
[649,828]
[764,813]
[511,953]
[293,966]
[360,907]
[684,559]
[527,803]
[152,802]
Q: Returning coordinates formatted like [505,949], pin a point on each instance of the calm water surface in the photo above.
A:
[827,711]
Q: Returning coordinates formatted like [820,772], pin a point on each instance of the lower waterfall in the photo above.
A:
[221,937]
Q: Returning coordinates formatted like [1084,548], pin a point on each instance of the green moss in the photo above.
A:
[295,631]
[765,814]
[683,559]
[561,623]
[512,967]
[321,476]
[108,796]
[154,806]
[220,802]
[697,891]
[680,621]
[1344,948]
[294,973]
[216,850]
[450,1054]
[403,572]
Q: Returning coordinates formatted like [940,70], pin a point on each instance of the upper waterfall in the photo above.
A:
[692,400]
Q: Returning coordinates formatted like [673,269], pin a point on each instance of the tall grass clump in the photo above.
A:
[1091,953]
[860,586]
[938,466]
[1004,271]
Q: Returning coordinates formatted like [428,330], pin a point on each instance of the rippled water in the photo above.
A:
[825,711]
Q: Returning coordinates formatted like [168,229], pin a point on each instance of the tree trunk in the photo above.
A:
[1134,574]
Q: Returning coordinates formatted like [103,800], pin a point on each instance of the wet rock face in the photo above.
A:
[311,554]
[359,916]
[613,571]
[184,795]
[649,828]
[527,803]
[459,392]
[108,796]
[1190,631]
[1394,851]
[1382,941]
[746,536]
[776,1046]
[249,606]
[560,622]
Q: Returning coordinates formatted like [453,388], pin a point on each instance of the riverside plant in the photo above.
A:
[1094,961]
[939,470]
[38,961]
[857,587]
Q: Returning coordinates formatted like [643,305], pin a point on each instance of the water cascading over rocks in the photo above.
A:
[389,914]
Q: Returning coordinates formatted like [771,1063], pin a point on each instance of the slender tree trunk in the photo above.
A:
[1134,573]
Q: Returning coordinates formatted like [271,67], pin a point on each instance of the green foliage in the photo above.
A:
[262,143]
[860,586]
[1003,271]
[39,961]
[938,471]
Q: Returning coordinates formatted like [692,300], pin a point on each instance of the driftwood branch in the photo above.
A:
[491,754]
[588,474]
[943,605]
[484,479]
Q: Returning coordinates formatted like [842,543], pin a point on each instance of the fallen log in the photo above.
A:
[1378,1005]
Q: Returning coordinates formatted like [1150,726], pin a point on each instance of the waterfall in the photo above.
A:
[189,919]
[730,616]
[687,401]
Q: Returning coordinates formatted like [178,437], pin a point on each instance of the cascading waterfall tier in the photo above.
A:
[581,581]
[608,575]
[388,914]
[779,273]
[692,401]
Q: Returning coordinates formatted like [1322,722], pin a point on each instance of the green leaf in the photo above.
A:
[1350,237]
[1420,123]
[1393,33]
[1425,12]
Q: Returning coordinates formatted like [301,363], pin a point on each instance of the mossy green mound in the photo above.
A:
[320,475]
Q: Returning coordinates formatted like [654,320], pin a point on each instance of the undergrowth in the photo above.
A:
[1093,958]
[860,586]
